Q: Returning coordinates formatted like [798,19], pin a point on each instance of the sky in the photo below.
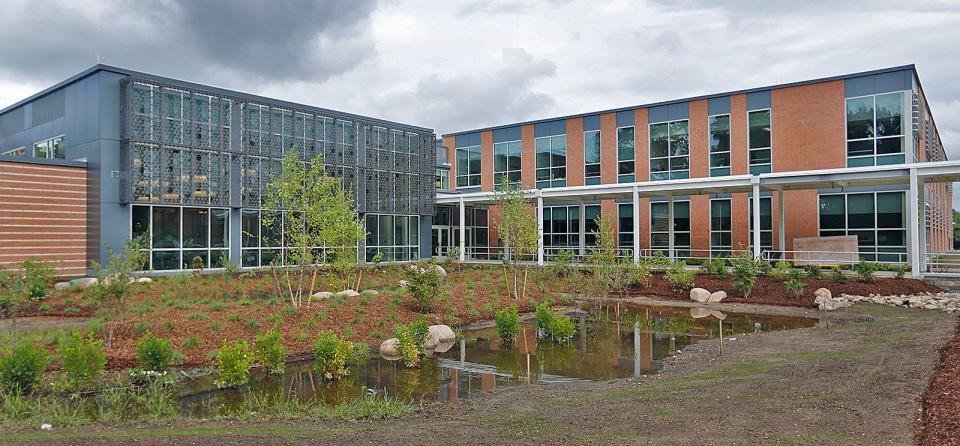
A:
[459,65]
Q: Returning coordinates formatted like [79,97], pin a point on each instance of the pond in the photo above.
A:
[611,342]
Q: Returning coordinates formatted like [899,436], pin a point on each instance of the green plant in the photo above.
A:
[82,358]
[518,230]
[233,363]
[552,326]
[814,271]
[21,367]
[190,342]
[252,324]
[781,271]
[234,317]
[744,273]
[229,268]
[794,283]
[38,275]
[116,280]
[508,323]
[156,354]
[424,283]
[679,277]
[865,270]
[215,326]
[196,316]
[407,346]
[900,270]
[561,263]
[269,351]
[764,267]
[140,328]
[838,275]
[716,267]
[331,354]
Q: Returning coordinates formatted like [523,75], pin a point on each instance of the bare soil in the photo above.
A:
[940,417]
[854,379]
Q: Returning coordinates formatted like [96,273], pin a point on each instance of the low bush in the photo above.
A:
[420,329]
[269,351]
[715,267]
[900,270]
[679,277]
[508,323]
[38,276]
[331,354]
[838,275]
[794,283]
[82,358]
[552,326]
[156,354]
[781,271]
[814,271]
[407,346]
[424,283]
[22,367]
[866,270]
[744,273]
[233,364]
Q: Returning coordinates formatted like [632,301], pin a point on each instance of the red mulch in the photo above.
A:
[939,420]
[770,291]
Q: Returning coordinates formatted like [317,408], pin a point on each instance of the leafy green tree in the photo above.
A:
[611,273]
[320,211]
[518,229]
[115,281]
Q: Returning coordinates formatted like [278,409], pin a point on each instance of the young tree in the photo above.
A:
[518,229]
[115,281]
[320,212]
[610,271]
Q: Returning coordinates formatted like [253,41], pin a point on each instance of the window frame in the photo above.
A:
[467,176]
[760,168]
[721,250]
[506,145]
[587,178]
[763,247]
[677,248]
[670,172]
[632,176]
[551,180]
[181,250]
[49,151]
[904,122]
[710,153]
[876,229]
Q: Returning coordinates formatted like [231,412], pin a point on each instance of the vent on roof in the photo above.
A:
[48,108]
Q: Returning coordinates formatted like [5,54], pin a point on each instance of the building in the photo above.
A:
[825,157]
[112,153]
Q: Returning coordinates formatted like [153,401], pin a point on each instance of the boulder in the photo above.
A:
[370,292]
[388,349]
[85,282]
[833,304]
[60,286]
[717,296]
[320,295]
[699,312]
[699,295]
[403,283]
[439,335]
[348,293]
[442,272]
[820,294]
[143,280]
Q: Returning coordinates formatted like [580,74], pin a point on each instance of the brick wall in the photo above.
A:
[43,214]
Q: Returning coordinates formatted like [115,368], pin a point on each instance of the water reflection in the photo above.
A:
[612,342]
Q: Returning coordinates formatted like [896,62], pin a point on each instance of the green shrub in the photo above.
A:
[679,277]
[781,271]
[814,271]
[156,354]
[794,284]
[716,267]
[22,367]
[866,270]
[233,364]
[838,275]
[561,263]
[508,323]
[331,354]
[269,351]
[764,267]
[38,276]
[641,274]
[900,270]
[552,326]
[407,346]
[744,273]
[424,283]
[82,358]
[190,342]
[420,328]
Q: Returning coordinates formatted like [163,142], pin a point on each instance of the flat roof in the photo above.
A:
[212,89]
[910,67]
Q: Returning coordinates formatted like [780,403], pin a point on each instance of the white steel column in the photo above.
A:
[539,228]
[582,230]
[756,218]
[922,211]
[781,225]
[670,245]
[463,231]
[636,225]
[913,223]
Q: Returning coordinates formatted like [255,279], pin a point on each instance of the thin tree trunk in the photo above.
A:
[313,282]
[526,270]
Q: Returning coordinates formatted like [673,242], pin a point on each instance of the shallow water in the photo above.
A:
[611,342]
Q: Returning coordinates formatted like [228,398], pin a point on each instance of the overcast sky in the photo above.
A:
[452,65]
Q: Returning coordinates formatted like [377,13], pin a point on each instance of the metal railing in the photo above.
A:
[942,262]
[834,257]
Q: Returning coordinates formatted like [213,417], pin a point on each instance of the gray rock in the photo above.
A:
[717,296]
[699,312]
[388,349]
[370,292]
[442,272]
[699,295]
[348,293]
[60,286]
[320,295]
[822,293]
[438,336]
[85,282]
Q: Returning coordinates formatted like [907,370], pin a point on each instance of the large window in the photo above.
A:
[670,150]
[561,226]
[591,156]
[443,179]
[182,237]
[625,232]
[551,161]
[626,167]
[397,237]
[721,233]
[468,166]
[262,238]
[719,128]
[766,222]
[19,151]
[660,227]
[875,129]
[758,142]
[49,148]
[506,162]
[876,218]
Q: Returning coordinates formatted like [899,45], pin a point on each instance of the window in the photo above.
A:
[590,226]
[19,151]
[49,148]
[591,156]
[506,162]
[561,226]
[720,228]
[875,130]
[443,179]
[719,128]
[758,142]
[660,227]
[876,218]
[669,150]
[626,169]
[766,222]
[551,161]
[625,226]
[397,237]
[176,236]
[468,166]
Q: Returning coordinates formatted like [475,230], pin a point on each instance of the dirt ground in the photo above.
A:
[856,378]
[940,415]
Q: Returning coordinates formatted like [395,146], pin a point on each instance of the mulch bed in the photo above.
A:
[939,420]
[771,291]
